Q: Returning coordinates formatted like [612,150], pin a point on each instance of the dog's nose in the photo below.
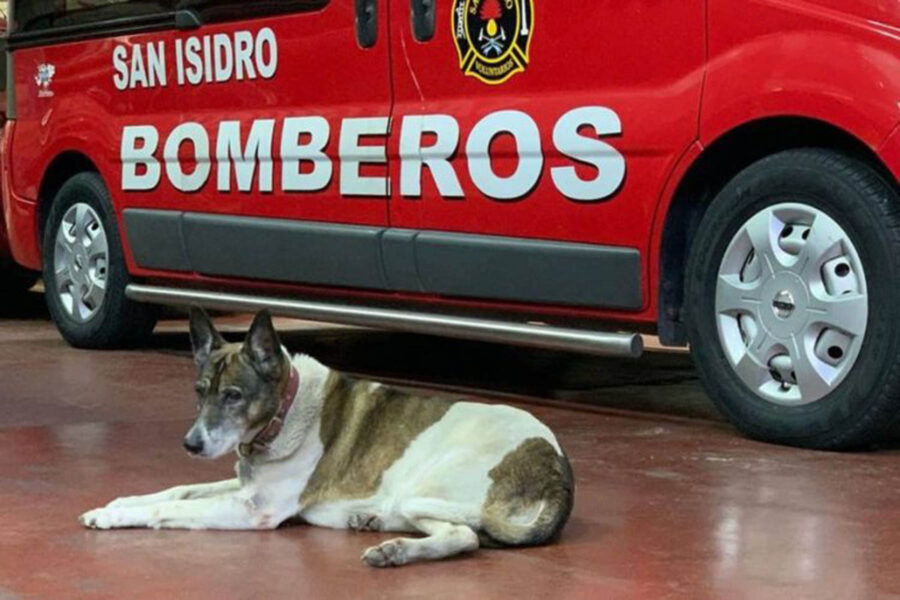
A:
[194,446]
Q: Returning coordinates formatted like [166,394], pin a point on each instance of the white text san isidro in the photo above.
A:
[214,58]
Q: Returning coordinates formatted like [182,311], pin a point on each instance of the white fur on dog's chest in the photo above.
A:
[445,469]
[275,487]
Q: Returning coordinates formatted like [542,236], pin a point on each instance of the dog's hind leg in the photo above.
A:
[444,540]
[449,526]
[180,492]
[531,496]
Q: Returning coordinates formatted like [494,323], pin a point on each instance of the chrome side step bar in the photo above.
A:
[486,330]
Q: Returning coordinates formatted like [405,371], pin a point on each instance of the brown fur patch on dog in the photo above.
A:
[530,498]
[365,428]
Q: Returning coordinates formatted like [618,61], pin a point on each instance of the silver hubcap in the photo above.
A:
[81,259]
[791,304]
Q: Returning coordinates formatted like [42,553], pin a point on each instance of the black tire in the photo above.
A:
[14,280]
[119,322]
[863,408]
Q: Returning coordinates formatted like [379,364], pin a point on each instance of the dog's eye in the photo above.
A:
[232,395]
[200,387]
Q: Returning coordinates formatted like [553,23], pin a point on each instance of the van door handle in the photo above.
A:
[366,22]
[422,17]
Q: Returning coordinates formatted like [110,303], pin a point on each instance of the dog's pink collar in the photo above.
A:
[264,438]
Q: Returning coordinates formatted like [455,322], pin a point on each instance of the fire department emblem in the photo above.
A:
[493,37]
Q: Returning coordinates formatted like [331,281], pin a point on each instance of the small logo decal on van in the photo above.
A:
[43,79]
[493,37]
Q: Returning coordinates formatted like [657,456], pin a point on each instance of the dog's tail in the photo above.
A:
[531,497]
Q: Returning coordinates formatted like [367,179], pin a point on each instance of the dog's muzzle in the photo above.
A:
[193,442]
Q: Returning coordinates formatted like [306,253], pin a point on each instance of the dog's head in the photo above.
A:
[239,386]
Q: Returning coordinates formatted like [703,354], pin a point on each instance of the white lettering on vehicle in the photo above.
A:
[216,58]
[199,139]
[610,164]
[353,155]
[294,154]
[145,67]
[307,167]
[136,155]
[258,151]
[436,157]
[531,157]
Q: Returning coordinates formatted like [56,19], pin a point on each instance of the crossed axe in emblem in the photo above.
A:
[492,43]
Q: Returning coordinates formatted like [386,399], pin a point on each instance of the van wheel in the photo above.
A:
[793,304]
[85,273]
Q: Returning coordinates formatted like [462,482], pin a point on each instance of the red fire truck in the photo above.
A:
[560,174]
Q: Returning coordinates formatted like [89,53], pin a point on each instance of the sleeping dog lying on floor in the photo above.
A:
[340,452]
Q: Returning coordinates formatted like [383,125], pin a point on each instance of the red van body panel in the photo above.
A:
[678,75]
[835,61]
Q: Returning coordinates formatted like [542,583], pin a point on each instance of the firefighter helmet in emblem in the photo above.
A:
[493,37]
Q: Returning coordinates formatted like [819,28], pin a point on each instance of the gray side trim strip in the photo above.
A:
[399,256]
[451,264]
[280,250]
[530,270]
[155,239]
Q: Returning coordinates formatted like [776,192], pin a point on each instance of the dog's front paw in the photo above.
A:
[391,553]
[100,518]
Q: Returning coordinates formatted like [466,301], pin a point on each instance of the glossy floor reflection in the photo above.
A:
[671,503]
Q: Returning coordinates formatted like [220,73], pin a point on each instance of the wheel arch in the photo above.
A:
[63,167]
[715,166]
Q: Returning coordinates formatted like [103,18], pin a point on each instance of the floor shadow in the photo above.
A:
[479,364]
[660,382]
[485,366]
[28,306]
[169,342]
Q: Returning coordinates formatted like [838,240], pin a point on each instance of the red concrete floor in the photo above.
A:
[671,503]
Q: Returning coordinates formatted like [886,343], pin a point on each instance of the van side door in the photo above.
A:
[533,140]
[285,104]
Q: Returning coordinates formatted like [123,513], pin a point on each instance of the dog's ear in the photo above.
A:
[263,347]
[204,337]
